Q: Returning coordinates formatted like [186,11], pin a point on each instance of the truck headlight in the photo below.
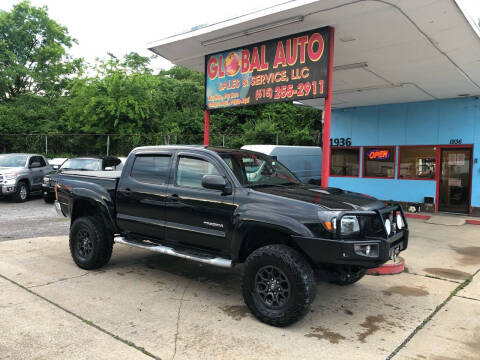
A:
[11,176]
[348,225]
[46,180]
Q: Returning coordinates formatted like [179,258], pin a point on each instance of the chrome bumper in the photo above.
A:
[59,209]
[7,189]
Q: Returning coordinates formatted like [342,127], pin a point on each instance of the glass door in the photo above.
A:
[454,187]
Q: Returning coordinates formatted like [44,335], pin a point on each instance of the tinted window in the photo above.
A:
[151,169]
[253,169]
[345,162]
[190,171]
[42,161]
[38,159]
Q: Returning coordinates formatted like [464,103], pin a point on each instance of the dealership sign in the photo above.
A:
[290,68]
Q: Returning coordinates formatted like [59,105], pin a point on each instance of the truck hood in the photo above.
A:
[328,198]
[9,170]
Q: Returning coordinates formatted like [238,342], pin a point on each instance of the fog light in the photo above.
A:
[400,223]
[388,227]
[370,250]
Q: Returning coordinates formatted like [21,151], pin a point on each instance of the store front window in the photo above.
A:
[345,162]
[379,162]
[417,162]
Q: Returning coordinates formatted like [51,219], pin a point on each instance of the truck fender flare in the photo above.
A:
[251,218]
[99,198]
[23,178]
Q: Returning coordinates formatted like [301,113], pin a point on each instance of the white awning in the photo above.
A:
[386,51]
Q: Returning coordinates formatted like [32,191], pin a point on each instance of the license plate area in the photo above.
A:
[395,251]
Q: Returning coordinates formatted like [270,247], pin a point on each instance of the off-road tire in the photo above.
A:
[19,195]
[352,277]
[100,239]
[301,282]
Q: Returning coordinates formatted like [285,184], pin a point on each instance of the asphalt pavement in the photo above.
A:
[33,218]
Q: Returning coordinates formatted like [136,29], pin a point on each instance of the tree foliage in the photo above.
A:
[43,90]
[33,58]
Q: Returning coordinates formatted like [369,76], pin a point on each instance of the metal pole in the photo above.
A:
[328,114]
[276,139]
[108,144]
[223,140]
[46,145]
[206,128]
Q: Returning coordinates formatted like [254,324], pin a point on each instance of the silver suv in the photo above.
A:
[21,174]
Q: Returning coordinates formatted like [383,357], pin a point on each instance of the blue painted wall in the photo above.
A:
[420,123]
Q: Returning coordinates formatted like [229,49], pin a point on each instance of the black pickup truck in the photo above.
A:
[225,207]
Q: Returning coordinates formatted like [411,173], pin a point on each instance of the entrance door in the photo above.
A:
[454,187]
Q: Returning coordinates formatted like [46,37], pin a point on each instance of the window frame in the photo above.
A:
[400,161]
[198,157]
[364,163]
[358,148]
[152,154]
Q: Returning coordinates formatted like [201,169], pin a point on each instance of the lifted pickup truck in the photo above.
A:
[200,203]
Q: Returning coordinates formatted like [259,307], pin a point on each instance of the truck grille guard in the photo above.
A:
[381,215]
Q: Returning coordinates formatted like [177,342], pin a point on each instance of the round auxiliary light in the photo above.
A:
[388,226]
[400,223]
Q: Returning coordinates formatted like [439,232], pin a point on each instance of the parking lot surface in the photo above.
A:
[145,305]
[30,219]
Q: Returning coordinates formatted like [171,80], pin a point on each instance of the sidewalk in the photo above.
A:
[453,332]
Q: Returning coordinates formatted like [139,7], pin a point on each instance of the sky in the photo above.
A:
[121,26]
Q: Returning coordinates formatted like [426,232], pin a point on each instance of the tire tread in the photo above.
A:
[305,281]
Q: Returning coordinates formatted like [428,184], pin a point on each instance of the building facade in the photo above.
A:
[419,153]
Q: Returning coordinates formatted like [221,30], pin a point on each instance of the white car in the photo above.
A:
[55,163]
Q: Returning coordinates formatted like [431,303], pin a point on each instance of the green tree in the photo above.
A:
[33,57]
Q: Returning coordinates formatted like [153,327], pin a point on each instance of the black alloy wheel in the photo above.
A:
[272,287]
[84,245]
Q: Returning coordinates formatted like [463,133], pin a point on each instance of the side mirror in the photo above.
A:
[215,182]
[111,161]
[35,164]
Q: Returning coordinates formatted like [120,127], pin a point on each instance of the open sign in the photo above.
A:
[378,154]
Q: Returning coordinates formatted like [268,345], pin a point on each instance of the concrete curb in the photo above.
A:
[417,216]
[388,269]
[473,222]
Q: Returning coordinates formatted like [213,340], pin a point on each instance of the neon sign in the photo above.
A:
[378,154]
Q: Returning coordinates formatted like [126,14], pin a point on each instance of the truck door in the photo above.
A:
[196,216]
[141,195]
[37,167]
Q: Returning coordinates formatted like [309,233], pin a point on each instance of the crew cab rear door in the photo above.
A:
[141,194]
[196,216]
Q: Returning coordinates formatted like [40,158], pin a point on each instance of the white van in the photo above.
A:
[303,161]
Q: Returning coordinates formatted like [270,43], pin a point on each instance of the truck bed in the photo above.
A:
[106,179]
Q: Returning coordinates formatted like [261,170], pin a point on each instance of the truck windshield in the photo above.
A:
[82,164]
[13,160]
[253,169]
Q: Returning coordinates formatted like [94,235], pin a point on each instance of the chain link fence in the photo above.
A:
[69,145]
